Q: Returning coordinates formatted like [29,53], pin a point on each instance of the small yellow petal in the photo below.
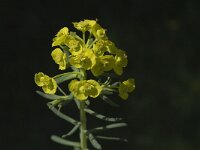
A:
[50,87]
[123,95]
[60,58]
[130,84]
[48,84]
[63,31]
[57,55]
[126,87]
[85,59]
[60,37]
[40,79]
[97,68]
[95,89]
[85,25]
[84,88]
[118,70]
[99,32]
[73,85]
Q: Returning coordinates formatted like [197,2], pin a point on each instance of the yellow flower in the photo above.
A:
[90,22]
[85,25]
[93,88]
[50,87]
[60,37]
[41,79]
[99,47]
[74,46]
[99,32]
[111,48]
[120,61]
[84,88]
[48,84]
[84,59]
[104,45]
[60,58]
[126,87]
[103,63]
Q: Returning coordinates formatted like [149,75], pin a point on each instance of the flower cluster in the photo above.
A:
[94,52]
[126,87]
[98,54]
[84,88]
[48,84]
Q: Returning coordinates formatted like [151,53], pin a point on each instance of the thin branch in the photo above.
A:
[63,116]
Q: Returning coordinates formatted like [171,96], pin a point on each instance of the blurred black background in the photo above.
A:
[162,42]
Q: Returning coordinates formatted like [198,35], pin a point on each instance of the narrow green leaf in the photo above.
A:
[66,77]
[94,142]
[111,138]
[52,96]
[62,141]
[107,127]
[102,117]
[109,101]
[72,131]
[115,84]
[63,116]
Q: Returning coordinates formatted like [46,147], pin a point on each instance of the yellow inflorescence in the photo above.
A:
[60,58]
[48,84]
[93,51]
[126,87]
[84,88]
[98,56]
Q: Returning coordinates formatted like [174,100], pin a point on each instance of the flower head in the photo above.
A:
[48,84]
[60,37]
[99,47]
[84,59]
[85,25]
[60,58]
[99,32]
[111,48]
[126,87]
[103,63]
[84,89]
[120,61]
[74,46]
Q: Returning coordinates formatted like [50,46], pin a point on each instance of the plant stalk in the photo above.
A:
[83,137]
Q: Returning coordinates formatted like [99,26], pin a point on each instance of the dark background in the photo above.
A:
[162,42]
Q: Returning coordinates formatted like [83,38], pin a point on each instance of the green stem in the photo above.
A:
[83,129]
[84,38]
[88,39]
[61,91]
[59,75]
[83,120]
[92,43]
